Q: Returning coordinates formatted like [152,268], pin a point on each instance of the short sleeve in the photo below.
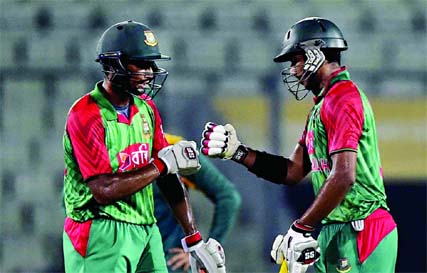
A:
[86,132]
[343,117]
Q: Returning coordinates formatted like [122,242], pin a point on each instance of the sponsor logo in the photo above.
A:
[320,164]
[134,156]
[309,142]
[190,153]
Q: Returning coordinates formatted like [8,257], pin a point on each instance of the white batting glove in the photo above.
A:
[209,257]
[181,158]
[221,141]
[297,248]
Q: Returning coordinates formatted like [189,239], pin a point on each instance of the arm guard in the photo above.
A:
[273,168]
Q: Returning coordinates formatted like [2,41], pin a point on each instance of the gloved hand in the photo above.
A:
[297,248]
[221,141]
[208,257]
[181,158]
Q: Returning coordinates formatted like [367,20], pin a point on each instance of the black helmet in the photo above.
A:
[312,29]
[130,39]
[130,42]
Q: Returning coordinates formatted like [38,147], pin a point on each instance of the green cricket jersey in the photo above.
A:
[342,120]
[98,140]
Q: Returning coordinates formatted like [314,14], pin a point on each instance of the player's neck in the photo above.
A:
[116,98]
[326,72]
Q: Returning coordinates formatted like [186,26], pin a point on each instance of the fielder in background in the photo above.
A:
[338,147]
[218,189]
[114,149]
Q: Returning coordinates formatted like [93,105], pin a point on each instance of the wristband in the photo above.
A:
[301,228]
[240,154]
[159,165]
[191,240]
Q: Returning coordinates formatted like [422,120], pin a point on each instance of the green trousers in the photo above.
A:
[339,251]
[114,247]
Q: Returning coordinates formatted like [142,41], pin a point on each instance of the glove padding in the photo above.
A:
[219,141]
[208,257]
[297,248]
[181,158]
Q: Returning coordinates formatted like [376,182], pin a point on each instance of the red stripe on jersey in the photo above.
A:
[87,134]
[343,117]
[301,141]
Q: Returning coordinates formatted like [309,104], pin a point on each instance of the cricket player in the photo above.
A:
[114,149]
[220,191]
[338,147]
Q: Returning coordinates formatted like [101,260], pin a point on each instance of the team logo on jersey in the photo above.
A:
[343,265]
[145,126]
[150,39]
[134,156]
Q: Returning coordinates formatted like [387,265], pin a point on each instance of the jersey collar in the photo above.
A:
[339,75]
[110,113]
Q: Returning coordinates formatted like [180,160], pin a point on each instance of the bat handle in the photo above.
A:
[284,267]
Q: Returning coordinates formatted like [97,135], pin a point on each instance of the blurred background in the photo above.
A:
[222,71]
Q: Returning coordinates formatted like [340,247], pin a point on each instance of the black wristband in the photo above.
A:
[273,168]
[240,154]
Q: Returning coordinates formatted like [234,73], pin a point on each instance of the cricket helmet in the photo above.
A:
[130,42]
[314,30]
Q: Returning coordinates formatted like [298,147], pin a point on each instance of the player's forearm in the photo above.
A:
[184,215]
[176,195]
[108,188]
[330,196]
[335,188]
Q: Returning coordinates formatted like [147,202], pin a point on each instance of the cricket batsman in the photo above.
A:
[338,147]
[114,148]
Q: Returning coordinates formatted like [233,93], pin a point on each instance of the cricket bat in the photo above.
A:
[284,267]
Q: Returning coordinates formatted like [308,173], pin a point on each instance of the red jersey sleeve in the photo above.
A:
[159,141]
[87,135]
[343,117]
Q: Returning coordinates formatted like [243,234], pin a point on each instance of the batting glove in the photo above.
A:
[297,248]
[181,158]
[221,141]
[204,257]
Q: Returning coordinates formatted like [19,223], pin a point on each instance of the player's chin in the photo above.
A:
[305,83]
[141,86]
